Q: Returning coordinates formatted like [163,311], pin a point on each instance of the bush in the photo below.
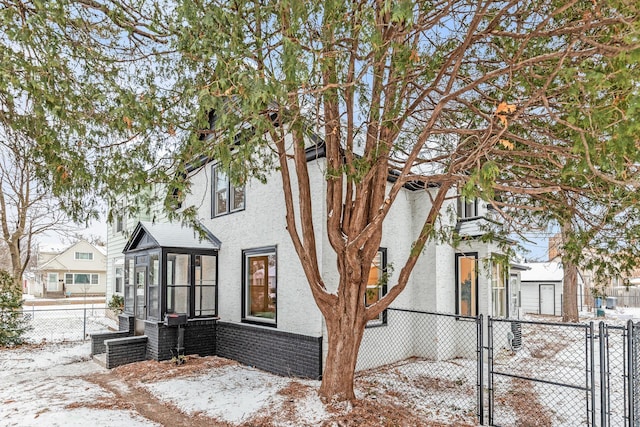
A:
[12,323]
[116,304]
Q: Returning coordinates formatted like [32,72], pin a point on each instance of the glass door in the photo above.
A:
[141,303]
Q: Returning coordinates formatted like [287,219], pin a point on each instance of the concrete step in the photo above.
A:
[100,359]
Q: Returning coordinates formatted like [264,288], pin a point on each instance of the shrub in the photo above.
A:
[12,322]
[116,304]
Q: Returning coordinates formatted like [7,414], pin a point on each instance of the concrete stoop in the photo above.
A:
[100,359]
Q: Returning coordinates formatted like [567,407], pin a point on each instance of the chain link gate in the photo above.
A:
[562,374]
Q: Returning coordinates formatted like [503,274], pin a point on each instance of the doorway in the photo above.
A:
[548,299]
[140,303]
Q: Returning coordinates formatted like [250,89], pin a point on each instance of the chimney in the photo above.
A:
[555,243]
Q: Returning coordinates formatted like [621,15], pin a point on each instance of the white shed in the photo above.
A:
[542,288]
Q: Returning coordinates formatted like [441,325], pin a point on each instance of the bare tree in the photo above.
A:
[27,209]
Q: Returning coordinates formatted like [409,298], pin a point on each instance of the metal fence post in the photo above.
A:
[480,352]
[604,410]
[490,367]
[631,372]
[84,324]
[591,346]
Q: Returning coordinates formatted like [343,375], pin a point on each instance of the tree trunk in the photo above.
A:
[570,293]
[344,337]
[16,266]
[570,282]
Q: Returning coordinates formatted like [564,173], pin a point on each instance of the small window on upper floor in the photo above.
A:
[87,256]
[467,208]
[225,196]
[118,219]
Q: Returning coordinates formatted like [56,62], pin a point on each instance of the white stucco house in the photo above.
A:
[246,276]
[78,270]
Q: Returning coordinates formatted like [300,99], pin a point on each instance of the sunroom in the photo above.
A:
[171,270]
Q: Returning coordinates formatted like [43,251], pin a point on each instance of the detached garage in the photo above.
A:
[541,288]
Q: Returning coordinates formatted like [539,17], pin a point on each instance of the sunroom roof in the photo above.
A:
[170,235]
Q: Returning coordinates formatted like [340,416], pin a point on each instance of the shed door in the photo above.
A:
[547,299]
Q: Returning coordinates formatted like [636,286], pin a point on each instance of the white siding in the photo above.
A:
[530,297]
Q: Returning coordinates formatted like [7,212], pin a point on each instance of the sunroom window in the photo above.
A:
[163,278]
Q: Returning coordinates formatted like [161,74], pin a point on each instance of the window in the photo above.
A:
[81,279]
[119,222]
[225,196]
[466,284]
[84,256]
[191,284]
[119,276]
[129,288]
[467,208]
[498,289]
[178,282]
[377,284]
[512,309]
[153,308]
[205,285]
[260,285]
[118,218]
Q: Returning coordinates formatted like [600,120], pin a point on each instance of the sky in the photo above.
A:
[95,228]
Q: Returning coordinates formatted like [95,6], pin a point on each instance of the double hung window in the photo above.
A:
[225,196]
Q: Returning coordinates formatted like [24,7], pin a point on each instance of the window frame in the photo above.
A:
[464,205]
[78,258]
[166,289]
[381,320]
[230,193]
[118,289]
[246,255]
[475,306]
[501,271]
[74,283]
[199,286]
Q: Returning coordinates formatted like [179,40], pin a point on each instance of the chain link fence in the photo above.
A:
[614,376]
[433,357]
[514,373]
[546,381]
[65,324]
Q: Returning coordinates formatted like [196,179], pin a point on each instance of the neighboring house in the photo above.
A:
[79,270]
[244,279]
[118,232]
[542,288]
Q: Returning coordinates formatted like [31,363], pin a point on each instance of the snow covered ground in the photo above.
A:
[47,386]
[57,384]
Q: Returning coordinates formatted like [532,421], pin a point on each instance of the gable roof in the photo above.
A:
[170,235]
[543,272]
[56,264]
